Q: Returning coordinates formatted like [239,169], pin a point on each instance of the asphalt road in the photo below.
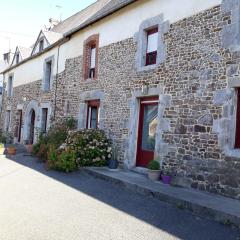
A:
[36,204]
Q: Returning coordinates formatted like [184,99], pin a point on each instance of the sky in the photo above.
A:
[22,20]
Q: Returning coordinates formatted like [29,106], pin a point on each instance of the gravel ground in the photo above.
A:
[36,204]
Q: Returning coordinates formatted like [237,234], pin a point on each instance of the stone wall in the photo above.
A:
[196,102]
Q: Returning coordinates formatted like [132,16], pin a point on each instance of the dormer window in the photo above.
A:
[17,58]
[152,46]
[92,62]
[41,45]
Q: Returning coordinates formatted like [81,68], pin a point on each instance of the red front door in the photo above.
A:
[147,129]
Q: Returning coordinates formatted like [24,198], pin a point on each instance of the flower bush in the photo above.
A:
[67,150]
[91,146]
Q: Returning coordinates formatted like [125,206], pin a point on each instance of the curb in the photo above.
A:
[197,209]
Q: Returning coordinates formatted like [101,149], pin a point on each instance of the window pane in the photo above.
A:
[152,42]
[150,122]
[44,119]
[48,75]
[94,116]
[93,58]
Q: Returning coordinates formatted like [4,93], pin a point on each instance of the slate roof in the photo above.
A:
[52,36]
[80,17]
[25,52]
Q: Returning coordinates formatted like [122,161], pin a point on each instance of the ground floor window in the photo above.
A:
[93,114]
[44,119]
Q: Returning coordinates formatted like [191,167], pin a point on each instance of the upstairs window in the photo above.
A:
[41,45]
[152,45]
[47,75]
[92,62]
[90,57]
[17,58]
[10,86]
[93,114]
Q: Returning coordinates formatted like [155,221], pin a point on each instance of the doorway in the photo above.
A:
[32,126]
[147,128]
[19,125]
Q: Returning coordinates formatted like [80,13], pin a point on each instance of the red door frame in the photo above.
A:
[143,157]
[92,103]
[237,137]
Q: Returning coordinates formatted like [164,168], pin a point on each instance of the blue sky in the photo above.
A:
[21,20]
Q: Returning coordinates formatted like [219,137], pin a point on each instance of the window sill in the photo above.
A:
[146,68]
[46,90]
[90,79]
[233,153]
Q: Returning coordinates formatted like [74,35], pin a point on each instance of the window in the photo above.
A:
[237,136]
[17,58]
[44,119]
[10,86]
[41,45]
[92,62]
[152,45]
[93,114]
[8,119]
[90,57]
[47,76]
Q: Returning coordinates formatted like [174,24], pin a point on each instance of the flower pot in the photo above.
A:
[154,175]
[29,148]
[166,179]
[113,164]
[11,151]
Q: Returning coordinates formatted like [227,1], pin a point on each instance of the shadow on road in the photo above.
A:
[178,223]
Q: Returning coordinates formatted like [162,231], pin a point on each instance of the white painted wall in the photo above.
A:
[119,26]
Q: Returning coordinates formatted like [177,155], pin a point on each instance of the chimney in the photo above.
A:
[53,23]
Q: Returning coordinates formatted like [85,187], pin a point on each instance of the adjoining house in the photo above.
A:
[162,78]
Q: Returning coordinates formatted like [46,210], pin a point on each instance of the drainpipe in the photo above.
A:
[56,85]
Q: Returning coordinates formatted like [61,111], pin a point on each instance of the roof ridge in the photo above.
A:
[81,11]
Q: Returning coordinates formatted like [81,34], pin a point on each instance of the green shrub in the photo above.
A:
[6,137]
[154,165]
[66,162]
[66,150]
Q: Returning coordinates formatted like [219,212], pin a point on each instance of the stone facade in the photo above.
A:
[195,82]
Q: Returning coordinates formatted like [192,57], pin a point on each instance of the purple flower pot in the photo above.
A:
[166,179]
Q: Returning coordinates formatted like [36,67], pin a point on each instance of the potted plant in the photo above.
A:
[11,150]
[2,148]
[166,176]
[154,170]
[28,146]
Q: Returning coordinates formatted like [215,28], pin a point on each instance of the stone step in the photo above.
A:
[211,206]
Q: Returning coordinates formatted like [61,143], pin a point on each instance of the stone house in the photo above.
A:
[160,77]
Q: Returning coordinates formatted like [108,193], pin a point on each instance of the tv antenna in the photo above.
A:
[59,7]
